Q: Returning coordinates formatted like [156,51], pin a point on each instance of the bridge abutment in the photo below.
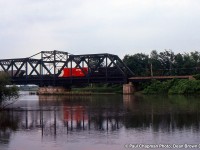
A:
[128,88]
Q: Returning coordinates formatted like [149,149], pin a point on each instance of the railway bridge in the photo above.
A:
[57,68]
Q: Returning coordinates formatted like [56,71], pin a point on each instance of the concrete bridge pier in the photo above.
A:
[52,90]
[128,88]
[59,90]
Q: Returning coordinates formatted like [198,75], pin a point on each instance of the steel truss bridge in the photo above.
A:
[45,68]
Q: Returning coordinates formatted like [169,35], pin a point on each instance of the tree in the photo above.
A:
[178,64]
[166,59]
[7,93]
[164,63]
[155,63]
[138,63]
[195,57]
[189,64]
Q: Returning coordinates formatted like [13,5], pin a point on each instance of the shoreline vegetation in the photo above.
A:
[153,87]
[166,63]
[8,94]
[174,86]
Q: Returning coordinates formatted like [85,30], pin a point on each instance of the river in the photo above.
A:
[101,122]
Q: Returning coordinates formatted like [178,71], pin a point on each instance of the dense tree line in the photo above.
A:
[163,63]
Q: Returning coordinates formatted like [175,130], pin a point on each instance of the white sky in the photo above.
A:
[98,26]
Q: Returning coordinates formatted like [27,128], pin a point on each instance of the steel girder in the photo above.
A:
[45,68]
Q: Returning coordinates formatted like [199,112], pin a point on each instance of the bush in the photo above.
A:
[175,86]
[197,76]
[6,92]
[185,87]
[158,87]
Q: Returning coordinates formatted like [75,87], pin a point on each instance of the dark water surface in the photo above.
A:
[101,122]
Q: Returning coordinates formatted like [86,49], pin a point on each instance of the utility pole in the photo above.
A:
[151,66]
[151,69]
[170,62]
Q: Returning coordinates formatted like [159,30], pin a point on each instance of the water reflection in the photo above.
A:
[62,115]
[162,113]
[77,113]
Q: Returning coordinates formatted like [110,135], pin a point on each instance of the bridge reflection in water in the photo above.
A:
[59,115]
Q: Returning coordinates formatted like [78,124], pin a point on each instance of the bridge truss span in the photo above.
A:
[61,68]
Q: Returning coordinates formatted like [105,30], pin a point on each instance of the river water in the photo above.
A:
[101,122]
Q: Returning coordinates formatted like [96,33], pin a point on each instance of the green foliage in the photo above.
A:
[138,63]
[158,87]
[6,92]
[185,87]
[100,88]
[163,63]
[197,76]
[175,86]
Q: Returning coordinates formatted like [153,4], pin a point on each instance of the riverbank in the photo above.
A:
[77,93]
[89,90]
[175,86]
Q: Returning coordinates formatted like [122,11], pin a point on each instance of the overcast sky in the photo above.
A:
[98,26]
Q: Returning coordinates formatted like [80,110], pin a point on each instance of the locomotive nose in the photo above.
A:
[62,73]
